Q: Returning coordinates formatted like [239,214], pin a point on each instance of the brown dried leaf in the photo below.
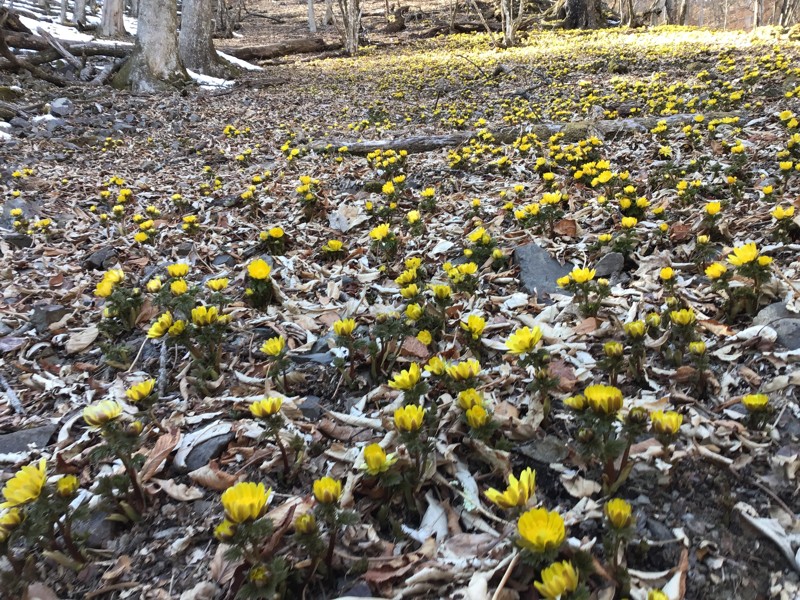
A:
[565,374]
[211,477]
[156,457]
[122,565]
[81,340]
[413,347]
[177,491]
[566,227]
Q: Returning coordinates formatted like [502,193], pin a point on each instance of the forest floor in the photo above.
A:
[714,506]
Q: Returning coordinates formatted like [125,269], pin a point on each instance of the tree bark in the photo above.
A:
[196,44]
[683,10]
[758,13]
[328,20]
[312,19]
[79,12]
[351,18]
[112,24]
[578,14]
[155,64]
[301,46]
[510,21]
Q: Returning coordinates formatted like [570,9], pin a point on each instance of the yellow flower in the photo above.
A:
[698,348]
[524,340]
[612,349]
[376,461]
[204,315]
[266,407]
[756,402]
[410,291]
[9,520]
[274,346]
[563,281]
[425,337]
[436,366]
[406,277]
[713,208]
[780,213]
[178,270]
[66,486]
[380,232]
[666,274]
[657,595]
[104,289]
[25,486]
[743,255]
[140,237]
[541,530]
[476,235]
[178,287]
[332,246]
[388,188]
[666,423]
[683,317]
[583,275]
[245,501]
[518,492]
[276,233]
[463,370]
[629,222]
[177,328]
[141,390]
[618,513]
[344,327]
[218,284]
[469,398]
[305,524]
[716,270]
[409,418]
[441,292]
[161,326]
[576,403]
[414,312]
[413,216]
[407,378]
[97,415]
[558,580]
[477,416]
[154,285]
[225,530]
[604,399]
[327,490]
[764,261]
[474,325]
[258,269]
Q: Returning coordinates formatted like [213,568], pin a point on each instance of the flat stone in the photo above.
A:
[321,358]
[100,260]
[208,450]
[184,248]
[538,271]
[19,240]
[788,331]
[61,107]
[609,265]
[20,441]
[53,124]
[45,315]
[19,123]
[772,313]
[310,408]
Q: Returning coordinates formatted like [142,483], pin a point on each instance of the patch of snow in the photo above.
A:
[60,32]
[208,82]
[40,118]
[131,24]
[4,137]
[239,62]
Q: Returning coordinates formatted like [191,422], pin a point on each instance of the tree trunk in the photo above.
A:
[312,19]
[155,64]
[112,24]
[578,14]
[758,13]
[328,20]
[682,12]
[351,17]
[511,22]
[629,14]
[195,43]
[134,8]
[63,15]
[79,12]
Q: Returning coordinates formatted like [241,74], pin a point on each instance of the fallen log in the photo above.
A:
[15,62]
[574,131]
[34,42]
[59,47]
[299,46]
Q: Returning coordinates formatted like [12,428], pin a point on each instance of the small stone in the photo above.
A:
[788,331]
[61,107]
[609,265]
[322,358]
[538,270]
[310,408]
[20,123]
[53,124]
[772,313]
[100,260]
[20,441]
[184,248]
[45,315]
[19,240]
[206,451]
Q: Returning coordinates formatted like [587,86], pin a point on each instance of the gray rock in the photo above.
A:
[609,265]
[45,315]
[19,123]
[772,313]
[100,259]
[224,260]
[184,248]
[53,124]
[20,240]
[310,408]
[61,107]
[322,358]
[19,441]
[538,271]
[788,331]
[208,450]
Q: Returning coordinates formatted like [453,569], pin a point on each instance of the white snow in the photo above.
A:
[239,62]
[209,82]
[61,32]
[40,118]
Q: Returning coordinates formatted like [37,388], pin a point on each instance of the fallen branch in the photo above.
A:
[33,42]
[13,399]
[59,47]
[300,46]
[15,62]
[504,135]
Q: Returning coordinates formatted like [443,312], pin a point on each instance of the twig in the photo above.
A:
[474,64]
[13,399]
[506,576]
[162,370]
[138,354]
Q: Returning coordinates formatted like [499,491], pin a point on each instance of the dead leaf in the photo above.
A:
[161,450]
[565,375]
[39,591]
[578,487]
[221,569]
[81,340]
[717,328]
[566,227]
[122,565]
[211,477]
[178,491]
[680,232]
[413,347]
[587,326]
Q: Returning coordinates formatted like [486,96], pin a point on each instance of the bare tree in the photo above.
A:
[312,19]
[112,24]
[628,13]
[758,13]
[511,21]
[196,43]
[683,10]
[328,19]
[577,14]
[155,63]
[351,20]
[79,12]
